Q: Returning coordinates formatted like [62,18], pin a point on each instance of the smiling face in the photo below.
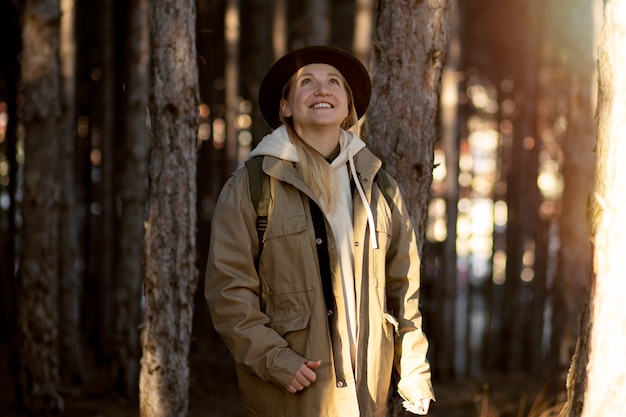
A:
[316,97]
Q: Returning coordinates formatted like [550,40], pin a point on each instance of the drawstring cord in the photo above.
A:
[370,216]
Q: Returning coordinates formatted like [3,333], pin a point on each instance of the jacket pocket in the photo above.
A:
[288,263]
[290,322]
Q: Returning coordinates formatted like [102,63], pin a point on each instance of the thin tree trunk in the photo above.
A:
[363,28]
[408,52]
[607,363]
[575,250]
[445,285]
[257,59]
[231,29]
[70,289]
[279,29]
[129,268]
[106,219]
[171,275]
[38,375]
[317,16]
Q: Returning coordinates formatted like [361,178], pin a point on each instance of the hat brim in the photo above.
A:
[355,73]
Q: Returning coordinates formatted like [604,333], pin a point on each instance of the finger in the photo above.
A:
[309,375]
[313,364]
[291,389]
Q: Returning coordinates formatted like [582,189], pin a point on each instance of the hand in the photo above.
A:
[419,407]
[304,377]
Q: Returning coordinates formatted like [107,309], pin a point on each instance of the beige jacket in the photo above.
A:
[274,321]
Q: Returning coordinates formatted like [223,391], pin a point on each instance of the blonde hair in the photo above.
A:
[315,169]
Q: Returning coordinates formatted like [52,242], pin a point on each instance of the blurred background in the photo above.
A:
[506,255]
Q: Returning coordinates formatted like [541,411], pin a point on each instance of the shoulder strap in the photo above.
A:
[382,179]
[259,184]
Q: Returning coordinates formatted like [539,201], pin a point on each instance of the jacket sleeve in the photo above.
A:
[403,285]
[232,289]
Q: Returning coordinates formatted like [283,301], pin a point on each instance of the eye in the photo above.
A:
[305,81]
[334,81]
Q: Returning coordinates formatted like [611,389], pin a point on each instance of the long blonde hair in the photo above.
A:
[315,169]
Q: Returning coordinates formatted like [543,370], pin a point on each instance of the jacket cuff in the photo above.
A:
[416,389]
[285,365]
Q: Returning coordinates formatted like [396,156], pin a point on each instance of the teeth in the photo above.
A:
[322,105]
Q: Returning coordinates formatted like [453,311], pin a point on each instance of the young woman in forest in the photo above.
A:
[317,321]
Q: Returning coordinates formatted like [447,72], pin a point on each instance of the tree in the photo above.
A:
[38,310]
[597,376]
[574,269]
[70,284]
[407,58]
[171,275]
[606,370]
[133,196]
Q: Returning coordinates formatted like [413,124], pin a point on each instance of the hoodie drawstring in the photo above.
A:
[370,215]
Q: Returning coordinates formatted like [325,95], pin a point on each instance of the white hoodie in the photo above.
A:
[278,144]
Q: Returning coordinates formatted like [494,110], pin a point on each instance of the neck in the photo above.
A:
[323,139]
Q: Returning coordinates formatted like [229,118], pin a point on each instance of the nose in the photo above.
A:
[322,90]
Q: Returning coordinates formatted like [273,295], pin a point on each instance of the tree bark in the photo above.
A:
[106,144]
[38,314]
[70,289]
[408,53]
[407,59]
[133,196]
[171,275]
[607,363]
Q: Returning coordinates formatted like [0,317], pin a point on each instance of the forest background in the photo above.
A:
[482,109]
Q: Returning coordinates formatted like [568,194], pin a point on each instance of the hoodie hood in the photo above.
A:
[278,145]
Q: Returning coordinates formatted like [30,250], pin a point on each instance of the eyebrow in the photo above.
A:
[334,74]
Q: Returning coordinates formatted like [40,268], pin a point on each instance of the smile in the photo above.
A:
[322,106]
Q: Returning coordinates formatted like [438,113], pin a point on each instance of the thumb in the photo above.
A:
[313,365]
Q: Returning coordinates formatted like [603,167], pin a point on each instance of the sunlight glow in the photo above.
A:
[219,133]
[436,230]
[499,267]
[549,180]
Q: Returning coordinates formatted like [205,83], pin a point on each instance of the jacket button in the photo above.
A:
[341,384]
[318,241]
[356,243]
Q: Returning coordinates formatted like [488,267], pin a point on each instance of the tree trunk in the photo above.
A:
[363,23]
[38,375]
[70,284]
[171,275]
[231,75]
[607,363]
[106,144]
[256,59]
[408,54]
[128,287]
[444,286]
[575,252]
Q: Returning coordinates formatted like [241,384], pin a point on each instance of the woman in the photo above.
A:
[317,322]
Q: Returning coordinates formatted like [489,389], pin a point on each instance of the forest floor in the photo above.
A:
[213,392]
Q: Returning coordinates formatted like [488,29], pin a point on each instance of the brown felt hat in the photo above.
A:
[355,73]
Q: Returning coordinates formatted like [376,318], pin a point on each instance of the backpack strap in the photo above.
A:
[382,179]
[260,196]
